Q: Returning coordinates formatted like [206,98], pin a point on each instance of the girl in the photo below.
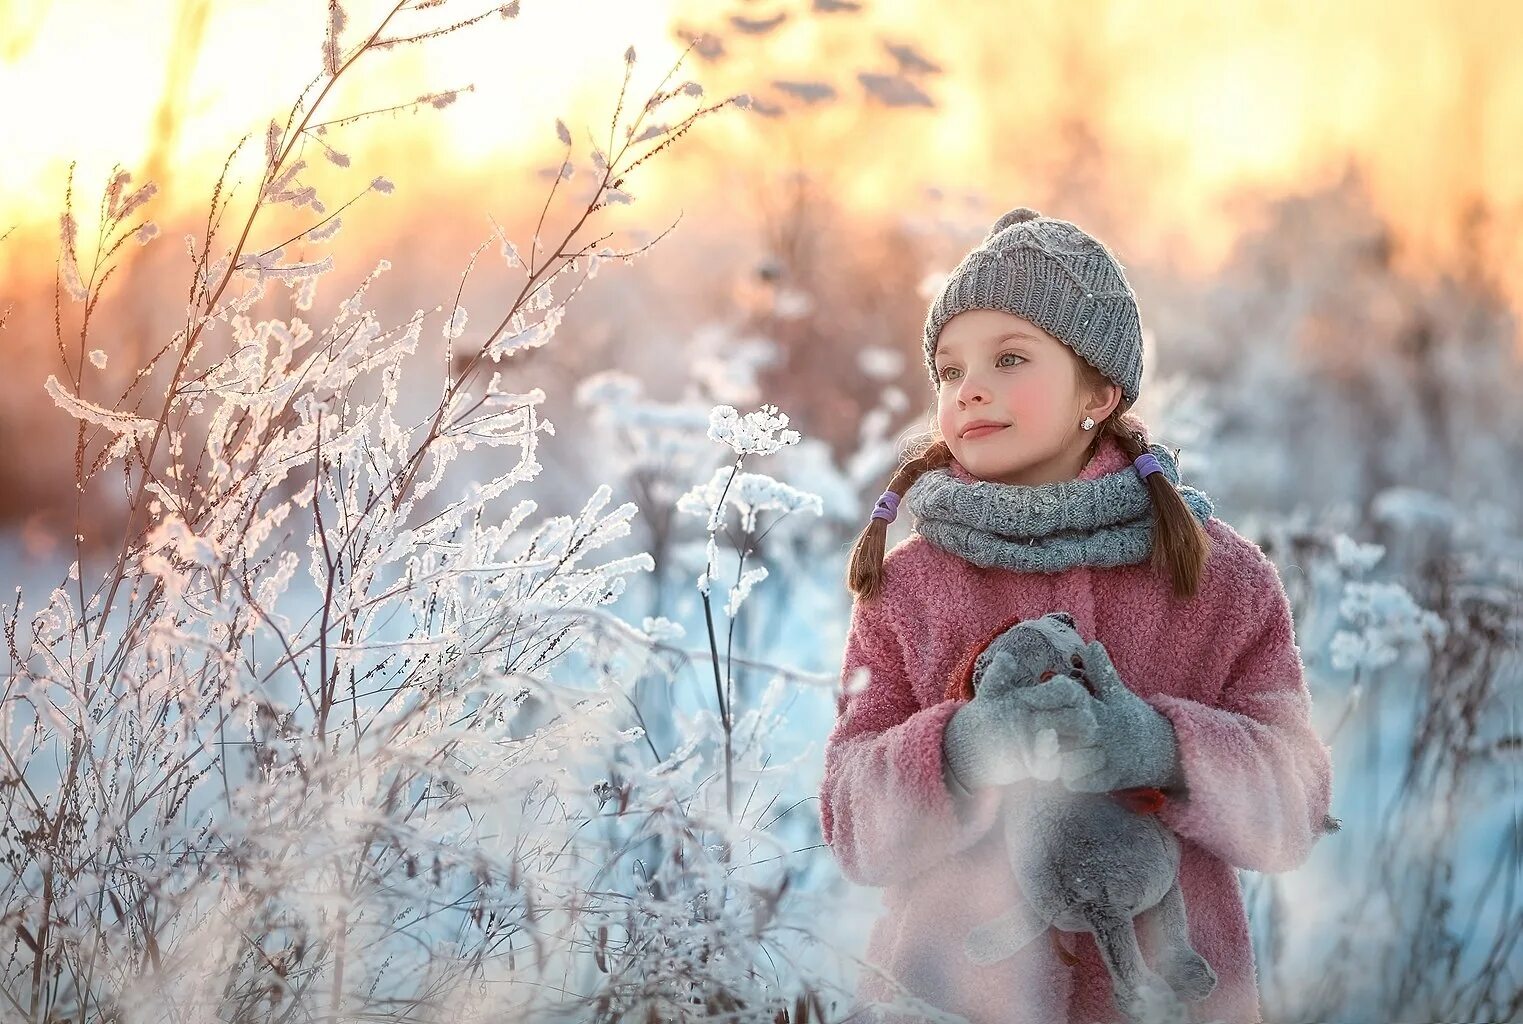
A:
[1038,493]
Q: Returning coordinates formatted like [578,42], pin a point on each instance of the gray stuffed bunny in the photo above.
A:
[1084,860]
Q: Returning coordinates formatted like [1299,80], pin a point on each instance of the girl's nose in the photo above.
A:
[971,389]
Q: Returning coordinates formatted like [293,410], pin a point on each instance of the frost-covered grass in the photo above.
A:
[1399,916]
[305,746]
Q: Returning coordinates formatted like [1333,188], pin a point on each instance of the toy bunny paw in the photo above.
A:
[1153,1002]
[1190,976]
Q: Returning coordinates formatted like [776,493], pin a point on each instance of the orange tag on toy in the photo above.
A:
[1140,799]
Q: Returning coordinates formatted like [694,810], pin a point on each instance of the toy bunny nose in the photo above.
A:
[1047,675]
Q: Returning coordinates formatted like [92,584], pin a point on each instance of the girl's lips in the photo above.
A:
[977,432]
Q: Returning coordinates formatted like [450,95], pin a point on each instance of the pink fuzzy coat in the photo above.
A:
[1224,668]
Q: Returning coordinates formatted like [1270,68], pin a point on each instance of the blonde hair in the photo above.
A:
[1180,545]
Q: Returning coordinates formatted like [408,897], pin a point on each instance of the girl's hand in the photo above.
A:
[1007,734]
[1133,745]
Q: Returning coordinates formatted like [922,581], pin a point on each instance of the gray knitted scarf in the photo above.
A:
[1106,521]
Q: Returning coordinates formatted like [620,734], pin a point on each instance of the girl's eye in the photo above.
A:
[947,369]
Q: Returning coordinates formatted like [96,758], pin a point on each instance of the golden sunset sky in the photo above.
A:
[1195,103]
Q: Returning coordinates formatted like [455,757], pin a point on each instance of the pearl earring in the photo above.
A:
[1088,423]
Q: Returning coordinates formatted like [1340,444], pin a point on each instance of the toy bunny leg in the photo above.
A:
[1168,933]
[1004,936]
[1143,996]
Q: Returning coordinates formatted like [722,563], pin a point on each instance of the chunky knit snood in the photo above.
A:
[1105,521]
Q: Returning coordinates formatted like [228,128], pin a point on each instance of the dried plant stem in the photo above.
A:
[193,330]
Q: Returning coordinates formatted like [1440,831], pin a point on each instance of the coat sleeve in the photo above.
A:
[1258,778]
[888,810]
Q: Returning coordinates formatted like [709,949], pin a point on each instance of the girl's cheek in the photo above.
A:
[1030,392]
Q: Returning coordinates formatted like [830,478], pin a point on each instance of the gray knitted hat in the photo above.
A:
[1063,280]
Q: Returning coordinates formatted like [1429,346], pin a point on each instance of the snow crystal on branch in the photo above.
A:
[125,426]
[298,271]
[522,336]
[742,590]
[325,231]
[67,231]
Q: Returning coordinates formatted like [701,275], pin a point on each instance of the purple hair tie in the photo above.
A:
[1147,463]
[887,507]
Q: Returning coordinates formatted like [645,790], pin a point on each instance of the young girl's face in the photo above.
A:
[994,366]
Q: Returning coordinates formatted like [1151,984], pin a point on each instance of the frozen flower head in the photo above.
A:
[661,629]
[609,389]
[1386,622]
[758,433]
[1354,556]
[749,493]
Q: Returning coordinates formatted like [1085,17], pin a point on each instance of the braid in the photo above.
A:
[864,572]
[1180,546]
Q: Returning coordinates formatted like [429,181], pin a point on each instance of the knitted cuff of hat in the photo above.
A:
[1056,275]
[1104,521]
